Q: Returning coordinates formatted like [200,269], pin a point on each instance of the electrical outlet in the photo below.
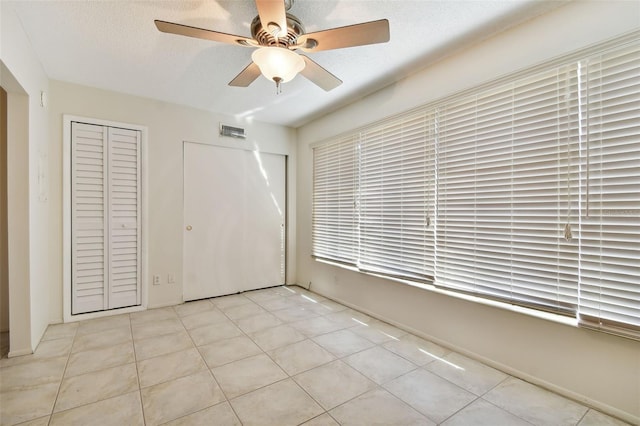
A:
[171,279]
[156,279]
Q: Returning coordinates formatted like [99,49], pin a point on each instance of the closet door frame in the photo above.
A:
[66,217]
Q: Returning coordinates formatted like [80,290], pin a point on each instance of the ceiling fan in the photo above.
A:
[277,35]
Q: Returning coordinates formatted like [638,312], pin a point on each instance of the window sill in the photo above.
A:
[561,319]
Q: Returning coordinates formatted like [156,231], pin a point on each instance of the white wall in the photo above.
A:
[169,125]
[596,368]
[23,77]
[18,225]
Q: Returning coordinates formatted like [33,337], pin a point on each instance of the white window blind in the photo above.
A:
[334,198]
[610,236]
[397,198]
[525,191]
[506,190]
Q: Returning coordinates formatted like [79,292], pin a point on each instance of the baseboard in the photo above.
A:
[100,314]
[19,352]
[582,399]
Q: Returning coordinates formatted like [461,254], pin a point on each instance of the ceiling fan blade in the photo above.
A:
[352,35]
[246,76]
[185,30]
[318,75]
[272,12]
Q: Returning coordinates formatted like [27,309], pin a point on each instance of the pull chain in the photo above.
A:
[278,80]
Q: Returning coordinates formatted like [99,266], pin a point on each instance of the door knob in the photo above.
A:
[189,228]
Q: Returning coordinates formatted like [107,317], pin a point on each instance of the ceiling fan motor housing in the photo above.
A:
[294,30]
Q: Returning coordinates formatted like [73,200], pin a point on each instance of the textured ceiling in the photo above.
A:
[114,45]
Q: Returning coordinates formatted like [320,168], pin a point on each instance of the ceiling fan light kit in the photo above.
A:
[278,35]
[278,64]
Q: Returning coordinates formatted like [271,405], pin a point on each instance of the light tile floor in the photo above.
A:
[279,356]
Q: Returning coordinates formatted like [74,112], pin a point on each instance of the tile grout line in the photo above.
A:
[381,385]
[289,377]
[504,409]
[66,364]
[226,399]
[418,367]
[292,378]
[458,410]
[90,372]
[135,361]
[583,416]
[263,351]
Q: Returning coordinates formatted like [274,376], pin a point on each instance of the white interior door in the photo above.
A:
[105,218]
[265,195]
[234,206]
[125,245]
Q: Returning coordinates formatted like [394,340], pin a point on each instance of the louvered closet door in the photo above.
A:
[88,199]
[124,217]
[105,197]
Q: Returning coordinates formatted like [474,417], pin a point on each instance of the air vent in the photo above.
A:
[232,132]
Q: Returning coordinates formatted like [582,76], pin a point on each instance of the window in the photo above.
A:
[525,191]
[610,209]
[396,198]
[335,175]
[506,190]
